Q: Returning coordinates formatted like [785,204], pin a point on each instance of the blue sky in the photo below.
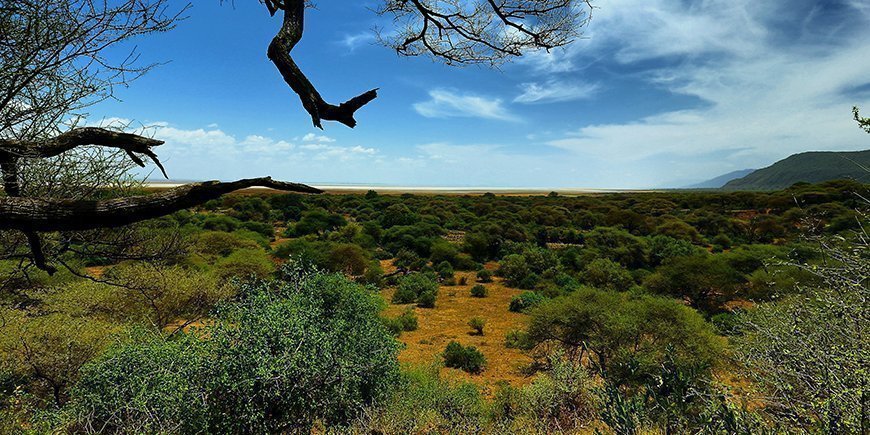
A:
[656,93]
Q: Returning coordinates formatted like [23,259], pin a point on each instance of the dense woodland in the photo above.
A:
[673,312]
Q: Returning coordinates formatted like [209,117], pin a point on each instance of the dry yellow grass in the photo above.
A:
[449,321]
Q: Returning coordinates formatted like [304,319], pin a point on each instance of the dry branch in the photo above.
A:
[46,215]
[279,53]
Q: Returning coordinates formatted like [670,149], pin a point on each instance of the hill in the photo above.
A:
[810,167]
[718,182]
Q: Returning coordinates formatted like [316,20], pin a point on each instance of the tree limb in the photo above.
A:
[46,215]
[11,149]
[279,53]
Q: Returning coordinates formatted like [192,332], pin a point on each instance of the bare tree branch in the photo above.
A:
[45,215]
[11,149]
[279,53]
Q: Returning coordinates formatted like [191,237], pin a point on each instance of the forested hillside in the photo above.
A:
[809,167]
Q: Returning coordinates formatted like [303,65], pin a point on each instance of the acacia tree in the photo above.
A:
[54,65]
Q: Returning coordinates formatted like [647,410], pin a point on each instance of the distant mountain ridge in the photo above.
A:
[718,182]
[810,167]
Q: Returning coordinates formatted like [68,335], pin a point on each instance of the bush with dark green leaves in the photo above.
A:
[413,287]
[525,301]
[484,276]
[627,337]
[282,356]
[407,321]
[468,359]
[479,291]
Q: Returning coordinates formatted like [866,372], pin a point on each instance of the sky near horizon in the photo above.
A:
[657,93]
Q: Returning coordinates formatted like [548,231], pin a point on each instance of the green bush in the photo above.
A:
[245,263]
[525,301]
[412,287]
[479,291]
[477,324]
[407,321]
[312,348]
[627,337]
[149,384]
[517,339]
[607,274]
[484,276]
[468,359]
[424,402]
[427,299]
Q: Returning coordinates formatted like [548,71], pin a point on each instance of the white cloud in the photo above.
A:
[556,91]
[311,137]
[448,104]
[352,42]
[767,89]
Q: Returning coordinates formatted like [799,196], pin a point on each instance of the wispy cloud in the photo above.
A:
[769,89]
[449,104]
[553,91]
[355,41]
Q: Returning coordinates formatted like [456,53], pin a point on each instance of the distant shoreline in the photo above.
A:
[434,190]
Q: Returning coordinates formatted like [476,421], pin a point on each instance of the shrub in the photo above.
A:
[412,287]
[517,339]
[525,301]
[484,275]
[604,273]
[479,291]
[463,280]
[468,359]
[477,324]
[424,402]
[445,270]
[147,385]
[309,349]
[374,274]
[627,336]
[427,299]
[219,243]
[407,321]
[245,263]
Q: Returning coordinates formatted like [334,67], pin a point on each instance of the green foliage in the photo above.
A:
[606,274]
[706,281]
[477,324]
[626,338]
[479,291]
[285,355]
[526,301]
[468,359]
[407,321]
[425,403]
[149,384]
[809,351]
[518,339]
[150,295]
[221,244]
[484,276]
[561,398]
[245,263]
[44,353]
[416,287]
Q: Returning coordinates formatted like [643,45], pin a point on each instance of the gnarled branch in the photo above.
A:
[279,53]
[45,215]
[12,149]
